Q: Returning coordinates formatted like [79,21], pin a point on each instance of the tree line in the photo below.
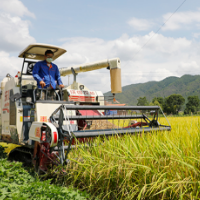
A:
[173,103]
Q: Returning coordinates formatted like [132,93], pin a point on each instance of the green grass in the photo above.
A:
[160,165]
[19,183]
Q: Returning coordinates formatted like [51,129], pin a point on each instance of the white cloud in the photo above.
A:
[176,21]
[181,20]
[196,35]
[15,7]
[189,67]
[9,64]
[140,24]
[14,34]
[160,58]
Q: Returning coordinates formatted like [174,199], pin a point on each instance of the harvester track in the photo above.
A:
[21,154]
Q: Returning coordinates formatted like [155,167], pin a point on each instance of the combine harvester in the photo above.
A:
[47,128]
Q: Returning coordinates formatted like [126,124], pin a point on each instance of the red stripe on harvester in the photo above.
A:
[55,137]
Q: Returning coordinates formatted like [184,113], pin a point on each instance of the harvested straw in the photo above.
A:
[102,124]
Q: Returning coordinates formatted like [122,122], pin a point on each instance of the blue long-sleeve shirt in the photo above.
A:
[50,75]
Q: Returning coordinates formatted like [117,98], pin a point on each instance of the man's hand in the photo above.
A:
[61,86]
[42,83]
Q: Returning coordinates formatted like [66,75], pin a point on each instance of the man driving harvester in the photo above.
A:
[46,73]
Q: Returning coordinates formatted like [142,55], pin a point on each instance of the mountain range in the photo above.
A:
[187,85]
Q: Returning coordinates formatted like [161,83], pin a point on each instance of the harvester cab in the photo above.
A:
[47,123]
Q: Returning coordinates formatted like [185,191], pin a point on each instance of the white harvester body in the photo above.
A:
[19,120]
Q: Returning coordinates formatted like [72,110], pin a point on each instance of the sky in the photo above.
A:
[150,38]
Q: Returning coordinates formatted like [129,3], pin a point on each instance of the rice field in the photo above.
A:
[159,165]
